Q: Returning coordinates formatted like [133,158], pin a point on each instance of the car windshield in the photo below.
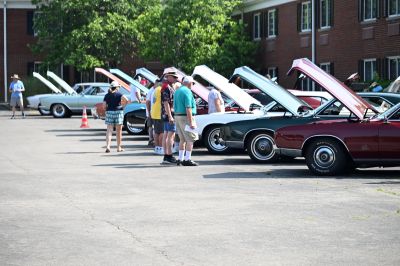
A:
[388,113]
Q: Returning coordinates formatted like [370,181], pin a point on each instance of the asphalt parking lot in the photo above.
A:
[63,201]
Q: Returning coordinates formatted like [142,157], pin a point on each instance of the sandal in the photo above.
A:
[120,150]
[107,150]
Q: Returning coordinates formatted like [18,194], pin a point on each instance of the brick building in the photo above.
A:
[351,36]
[20,34]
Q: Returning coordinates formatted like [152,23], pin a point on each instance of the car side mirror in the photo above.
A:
[385,120]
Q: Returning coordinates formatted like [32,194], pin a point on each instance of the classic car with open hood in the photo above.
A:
[34,100]
[256,136]
[66,105]
[335,147]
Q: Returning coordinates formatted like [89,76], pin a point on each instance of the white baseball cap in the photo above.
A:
[188,79]
[114,84]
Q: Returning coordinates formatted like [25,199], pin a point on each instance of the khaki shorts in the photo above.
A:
[181,122]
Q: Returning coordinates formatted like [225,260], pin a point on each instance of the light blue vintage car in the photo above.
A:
[61,106]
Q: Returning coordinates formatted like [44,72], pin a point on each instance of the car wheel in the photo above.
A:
[326,157]
[133,130]
[211,141]
[43,112]
[59,110]
[260,148]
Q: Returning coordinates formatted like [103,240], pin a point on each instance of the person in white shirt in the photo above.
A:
[215,102]
[135,94]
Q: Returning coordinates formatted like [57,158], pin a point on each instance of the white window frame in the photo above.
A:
[309,13]
[326,66]
[35,14]
[271,12]
[397,8]
[327,15]
[273,70]
[398,67]
[258,15]
[365,8]
[369,60]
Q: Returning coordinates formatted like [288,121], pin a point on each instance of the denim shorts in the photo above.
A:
[168,127]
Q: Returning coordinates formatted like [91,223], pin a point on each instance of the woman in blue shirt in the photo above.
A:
[113,103]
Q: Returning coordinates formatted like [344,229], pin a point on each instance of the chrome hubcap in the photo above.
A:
[324,157]
[59,110]
[263,148]
[213,140]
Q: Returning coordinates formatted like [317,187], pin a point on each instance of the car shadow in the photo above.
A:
[127,166]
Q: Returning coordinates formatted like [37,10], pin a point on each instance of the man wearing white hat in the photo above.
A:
[185,110]
[16,89]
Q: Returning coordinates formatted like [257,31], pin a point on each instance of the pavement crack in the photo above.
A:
[119,228]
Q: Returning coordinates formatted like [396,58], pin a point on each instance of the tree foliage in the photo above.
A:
[186,33]
[87,33]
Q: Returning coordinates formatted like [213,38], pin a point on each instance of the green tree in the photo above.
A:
[186,33]
[88,33]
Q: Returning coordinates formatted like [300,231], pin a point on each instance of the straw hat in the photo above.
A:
[15,76]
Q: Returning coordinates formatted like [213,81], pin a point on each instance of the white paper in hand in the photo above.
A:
[191,130]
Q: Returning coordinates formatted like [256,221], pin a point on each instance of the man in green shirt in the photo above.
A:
[185,110]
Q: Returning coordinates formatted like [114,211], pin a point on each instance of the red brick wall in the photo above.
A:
[345,46]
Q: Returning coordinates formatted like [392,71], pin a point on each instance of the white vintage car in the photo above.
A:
[34,100]
[208,126]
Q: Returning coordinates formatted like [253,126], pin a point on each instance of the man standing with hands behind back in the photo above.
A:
[185,110]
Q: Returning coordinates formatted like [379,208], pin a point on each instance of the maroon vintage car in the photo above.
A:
[330,147]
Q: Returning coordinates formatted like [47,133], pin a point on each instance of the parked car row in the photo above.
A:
[335,130]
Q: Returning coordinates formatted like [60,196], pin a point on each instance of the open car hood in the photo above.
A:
[62,83]
[276,92]
[144,72]
[394,87]
[112,77]
[346,96]
[129,79]
[46,82]
[239,96]
[197,88]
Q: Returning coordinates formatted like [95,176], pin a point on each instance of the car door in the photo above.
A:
[389,137]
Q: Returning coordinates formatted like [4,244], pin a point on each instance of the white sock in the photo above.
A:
[181,154]
[188,155]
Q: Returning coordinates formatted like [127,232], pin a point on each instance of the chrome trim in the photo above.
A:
[255,129]
[316,136]
[289,152]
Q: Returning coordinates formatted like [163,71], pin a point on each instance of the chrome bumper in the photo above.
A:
[289,152]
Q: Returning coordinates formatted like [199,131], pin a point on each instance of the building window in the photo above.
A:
[369,69]
[394,8]
[256,27]
[326,13]
[272,23]
[326,67]
[370,9]
[393,67]
[306,16]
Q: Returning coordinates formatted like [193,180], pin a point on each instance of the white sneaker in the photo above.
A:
[161,151]
[156,150]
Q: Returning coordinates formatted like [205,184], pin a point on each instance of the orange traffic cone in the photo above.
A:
[85,123]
